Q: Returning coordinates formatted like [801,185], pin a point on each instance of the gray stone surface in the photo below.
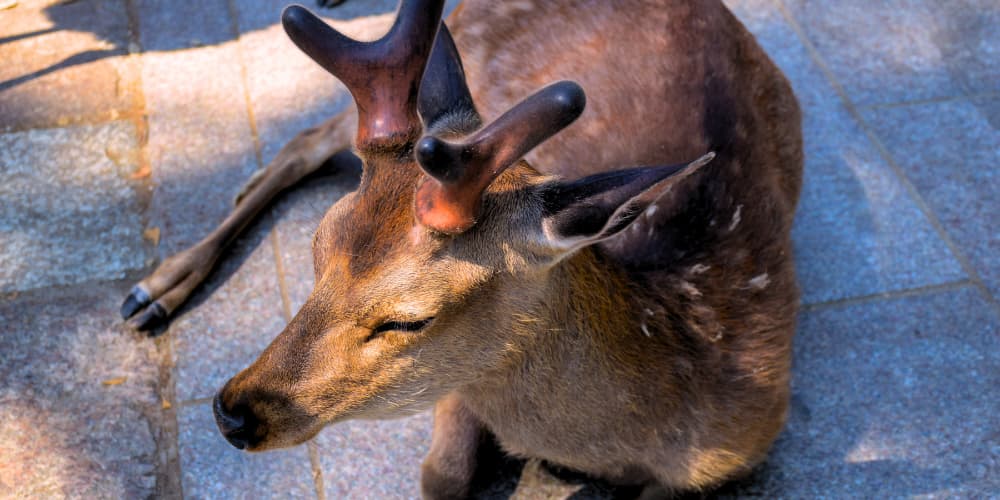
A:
[214,469]
[200,140]
[955,173]
[374,459]
[288,91]
[64,62]
[229,321]
[260,14]
[254,15]
[899,50]
[180,24]
[79,403]
[975,22]
[68,210]
[892,398]
[857,232]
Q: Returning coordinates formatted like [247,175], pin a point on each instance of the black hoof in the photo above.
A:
[136,300]
[154,316]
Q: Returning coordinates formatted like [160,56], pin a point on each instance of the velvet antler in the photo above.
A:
[383,76]
[449,199]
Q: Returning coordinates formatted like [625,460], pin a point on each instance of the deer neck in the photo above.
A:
[581,322]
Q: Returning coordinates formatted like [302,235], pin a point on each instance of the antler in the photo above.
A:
[449,199]
[383,76]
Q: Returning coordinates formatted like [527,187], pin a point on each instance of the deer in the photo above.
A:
[571,234]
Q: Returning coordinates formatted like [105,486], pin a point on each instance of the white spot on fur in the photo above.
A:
[698,269]
[645,330]
[476,29]
[524,5]
[690,289]
[759,282]
[649,312]
[651,210]
[736,217]
[717,337]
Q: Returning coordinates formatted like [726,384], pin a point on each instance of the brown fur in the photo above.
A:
[658,356]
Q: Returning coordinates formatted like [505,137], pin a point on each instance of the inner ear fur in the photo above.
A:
[582,212]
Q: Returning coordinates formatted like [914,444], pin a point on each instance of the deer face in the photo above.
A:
[400,315]
[425,273]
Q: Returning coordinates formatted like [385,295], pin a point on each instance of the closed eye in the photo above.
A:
[400,326]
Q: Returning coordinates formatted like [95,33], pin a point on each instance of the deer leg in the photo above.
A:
[449,467]
[161,293]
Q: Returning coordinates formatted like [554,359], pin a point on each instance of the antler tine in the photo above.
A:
[383,76]
[449,200]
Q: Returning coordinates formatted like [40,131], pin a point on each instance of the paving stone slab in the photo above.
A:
[950,151]
[288,91]
[64,61]
[212,468]
[892,398]
[69,211]
[374,458]
[260,14]
[166,25]
[857,231]
[230,320]
[78,398]
[201,145]
[976,22]
[897,50]
[256,15]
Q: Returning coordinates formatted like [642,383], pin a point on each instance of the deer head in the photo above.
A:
[425,274]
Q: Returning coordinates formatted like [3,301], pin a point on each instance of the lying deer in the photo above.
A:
[633,323]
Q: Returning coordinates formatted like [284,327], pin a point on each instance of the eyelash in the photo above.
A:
[400,326]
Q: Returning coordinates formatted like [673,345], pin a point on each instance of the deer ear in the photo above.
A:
[588,210]
[443,89]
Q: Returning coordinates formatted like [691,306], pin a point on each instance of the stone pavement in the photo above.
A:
[126,127]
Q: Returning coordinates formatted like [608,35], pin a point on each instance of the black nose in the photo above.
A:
[237,425]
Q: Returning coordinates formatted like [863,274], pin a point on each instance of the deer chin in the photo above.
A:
[285,438]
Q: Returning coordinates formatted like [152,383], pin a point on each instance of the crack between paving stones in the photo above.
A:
[166,435]
[88,119]
[895,294]
[194,402]
[937,100]
[286,301]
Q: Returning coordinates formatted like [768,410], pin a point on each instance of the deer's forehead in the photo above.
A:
[370,225]
[373,235]
[400,282]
